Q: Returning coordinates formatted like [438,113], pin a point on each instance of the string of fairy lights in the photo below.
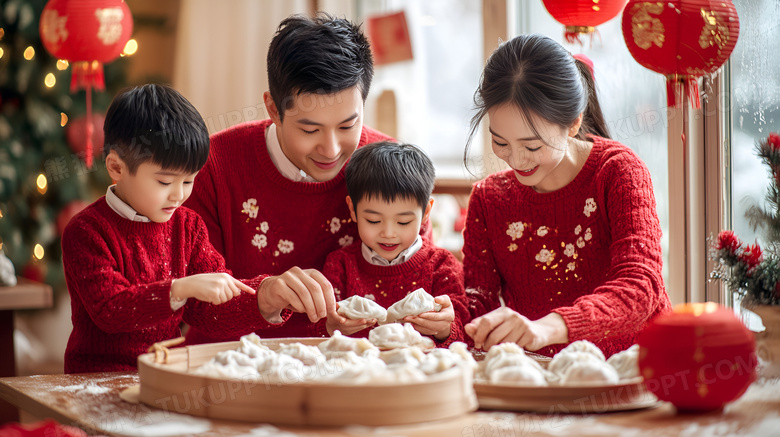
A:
[42,184]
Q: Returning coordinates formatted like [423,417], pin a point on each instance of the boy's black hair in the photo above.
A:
[156,123]
[390,171]
[322,55]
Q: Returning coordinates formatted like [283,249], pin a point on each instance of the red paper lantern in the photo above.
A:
[682,39]
[86,33]
[698,358]
[582,16]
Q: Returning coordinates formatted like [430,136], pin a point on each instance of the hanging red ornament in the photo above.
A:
[681,39]
[76,134]
[582,16]
[87,34]
[699,357]
[68,212]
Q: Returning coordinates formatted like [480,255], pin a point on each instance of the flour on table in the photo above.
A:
[157,424]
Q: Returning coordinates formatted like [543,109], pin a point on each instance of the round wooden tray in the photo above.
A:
[169,386]
[628,395]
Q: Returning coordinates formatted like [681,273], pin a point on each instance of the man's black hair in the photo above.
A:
[320,55]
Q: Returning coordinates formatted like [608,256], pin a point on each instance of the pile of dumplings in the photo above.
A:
[579,364]
[392,354]
[417,302]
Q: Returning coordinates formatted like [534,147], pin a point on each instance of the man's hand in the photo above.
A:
[304,291]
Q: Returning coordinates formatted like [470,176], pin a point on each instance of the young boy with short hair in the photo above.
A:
[272,192]
[135,260]
[389,186]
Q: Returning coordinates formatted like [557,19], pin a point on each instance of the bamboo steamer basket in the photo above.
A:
[168,385]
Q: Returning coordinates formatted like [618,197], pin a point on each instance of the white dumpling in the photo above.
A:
[590,373]
[282,369]
[214,369]
[562,361]
[358,307]
[251,346]
[504,348]
[309,355]
[341,343]
[407,356]
[462,351]
[396,335]
[520,375]
[406,374]
[233,357]
[508,360]
[626,362]
[584,346]
[414,303]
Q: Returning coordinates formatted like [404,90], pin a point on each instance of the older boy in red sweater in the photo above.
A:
[136,262]
[272,192]
[390,187]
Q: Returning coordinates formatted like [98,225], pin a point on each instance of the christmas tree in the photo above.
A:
[43,176]
[748,270]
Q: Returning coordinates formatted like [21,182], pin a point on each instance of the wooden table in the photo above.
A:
[91,402]
[26,294]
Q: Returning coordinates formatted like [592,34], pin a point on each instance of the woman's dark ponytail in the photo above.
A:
[593,122]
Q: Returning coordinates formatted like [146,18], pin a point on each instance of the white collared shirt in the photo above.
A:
[280,160]
[123,209]
[127,212]
[374,258]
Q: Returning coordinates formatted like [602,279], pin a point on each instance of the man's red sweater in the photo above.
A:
[264,223]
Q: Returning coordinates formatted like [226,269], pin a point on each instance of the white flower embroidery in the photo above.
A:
[542,231]
[512,247]
[569,250]
[337,292]
[577,230]
[588,235]
[250,208]
[285,246]
[544,256]
[580,243]
[260,241]
[335,225]
[571,266]
[264,227]
[370,297]
[345,240]
[515,230]
[590,206]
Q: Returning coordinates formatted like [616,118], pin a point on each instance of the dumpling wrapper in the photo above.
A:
[358,307]
[417,302]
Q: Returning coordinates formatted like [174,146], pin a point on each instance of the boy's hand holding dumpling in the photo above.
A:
[435,323]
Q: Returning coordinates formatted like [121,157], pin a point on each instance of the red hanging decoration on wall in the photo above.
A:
[681,39]
[582,16]
[699,357]
[87,34]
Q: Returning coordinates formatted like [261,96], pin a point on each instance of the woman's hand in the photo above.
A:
[435,323]
[505,325]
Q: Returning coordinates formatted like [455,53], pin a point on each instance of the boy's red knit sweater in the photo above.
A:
[119,274]
[264,223]
[590,251]
[433,269]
